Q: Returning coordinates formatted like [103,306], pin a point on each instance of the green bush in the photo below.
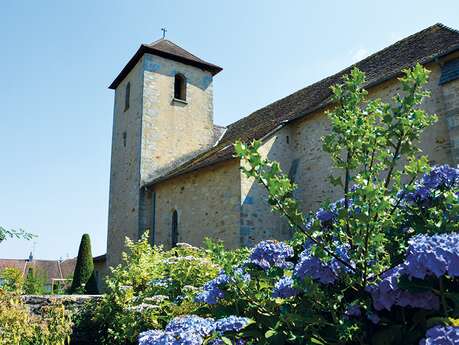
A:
[19,327]
[149,287]
[84,267]
[12,280]
[34,283]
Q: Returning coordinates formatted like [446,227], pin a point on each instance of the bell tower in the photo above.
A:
[163,115]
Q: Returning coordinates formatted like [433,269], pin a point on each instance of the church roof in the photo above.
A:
[423,47]
[168,50]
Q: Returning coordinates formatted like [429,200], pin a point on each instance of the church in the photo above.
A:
[173,172]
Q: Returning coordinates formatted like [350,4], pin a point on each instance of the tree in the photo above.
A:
[84,266]
[35,283]
[12,233]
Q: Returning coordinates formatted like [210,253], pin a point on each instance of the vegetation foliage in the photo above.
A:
[19,327]
[375,267]
[84,276]
[150,287]
[379,266]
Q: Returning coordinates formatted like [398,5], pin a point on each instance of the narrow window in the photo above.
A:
[174,228]
[180,87]
[127,96]
[124,138]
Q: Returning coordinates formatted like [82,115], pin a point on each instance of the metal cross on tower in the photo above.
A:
[164,30]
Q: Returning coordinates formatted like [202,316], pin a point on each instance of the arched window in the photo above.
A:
[174,228]
[180,87]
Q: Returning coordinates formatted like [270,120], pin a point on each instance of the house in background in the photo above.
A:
[54,272]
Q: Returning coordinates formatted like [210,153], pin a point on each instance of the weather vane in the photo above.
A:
[164,30]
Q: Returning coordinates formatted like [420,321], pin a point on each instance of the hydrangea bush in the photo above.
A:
[379,266]
[149,288]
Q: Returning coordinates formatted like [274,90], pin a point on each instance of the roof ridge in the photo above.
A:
[174,44]
[444,26]
[400,41]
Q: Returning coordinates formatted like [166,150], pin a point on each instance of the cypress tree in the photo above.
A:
[84,267]
[91,286]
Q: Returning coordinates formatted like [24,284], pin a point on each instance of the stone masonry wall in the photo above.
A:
[173,130]
[302,155]
[207,202]
[124,172]
[449,94]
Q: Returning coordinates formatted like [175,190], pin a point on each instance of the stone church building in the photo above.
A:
[173,171]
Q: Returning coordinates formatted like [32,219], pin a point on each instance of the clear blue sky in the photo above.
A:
[58,57]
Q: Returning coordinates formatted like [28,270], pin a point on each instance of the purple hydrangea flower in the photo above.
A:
[240,274]
[441,335]
[353,310]
[373,317]
[325,215]
[231,324]
[433,255]
[386,293]
[271,253]
[440,177]
[312,267]
[284,288]
[212,290]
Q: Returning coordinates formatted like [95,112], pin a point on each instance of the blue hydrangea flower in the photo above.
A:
[353,310]
[284,288]
[441,335]
[231,324]
[240,274]
[271,253]
[212,290]
[312,267]
[184,330]
[191,323]
[325,215]
[155,337]
[439,178]
[373,317]
[433,255]
[386,293]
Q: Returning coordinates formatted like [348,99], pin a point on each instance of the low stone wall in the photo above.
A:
[71,302]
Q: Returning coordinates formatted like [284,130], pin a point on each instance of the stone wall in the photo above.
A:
[123,211]
[72,303]
[302,152]
[207,202]
[151,136]
[173,130]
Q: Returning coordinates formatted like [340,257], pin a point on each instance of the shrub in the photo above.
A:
[378,266]
[19,327]
[34,283]
[149,288]
[84,267]
[12,280]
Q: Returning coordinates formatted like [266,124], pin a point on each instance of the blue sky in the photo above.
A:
[58,57]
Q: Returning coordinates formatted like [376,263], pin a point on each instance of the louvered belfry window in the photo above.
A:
[449,71]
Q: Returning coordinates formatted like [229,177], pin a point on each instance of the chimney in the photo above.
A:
[30,257]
